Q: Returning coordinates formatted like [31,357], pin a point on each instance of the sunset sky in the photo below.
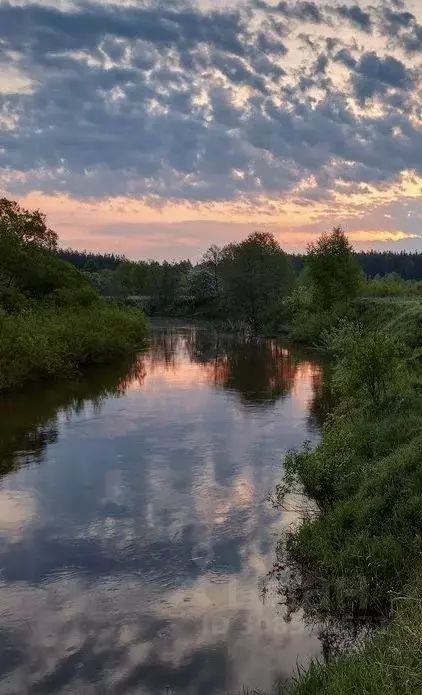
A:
[157,127]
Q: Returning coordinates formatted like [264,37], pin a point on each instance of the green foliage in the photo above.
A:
[48,342]
[401,317]
[325,289]
[391,285]
[201,285]
[333,270]
[52,320]
[308,324]
[89,262]
[256,275]
[244,283]
[370,365]
[11,299]
[34,271]
[362,540]
[24,226]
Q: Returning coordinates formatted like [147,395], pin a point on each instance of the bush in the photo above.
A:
[370,365]
[364,538]
[52,321]
[48,342]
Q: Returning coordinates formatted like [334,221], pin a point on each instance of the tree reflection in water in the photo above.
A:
[29,418]
[258,371]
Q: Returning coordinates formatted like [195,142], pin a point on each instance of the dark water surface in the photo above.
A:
[134,531]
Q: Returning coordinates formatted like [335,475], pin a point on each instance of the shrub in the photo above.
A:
[45,341]
[370,365]
[343,563]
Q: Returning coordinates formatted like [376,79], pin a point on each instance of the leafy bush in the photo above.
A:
[370,365]
[363,540]
[52,321]
[45,341]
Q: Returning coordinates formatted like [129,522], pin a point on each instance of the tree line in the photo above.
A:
[246,281]
[407,264]
[252,283]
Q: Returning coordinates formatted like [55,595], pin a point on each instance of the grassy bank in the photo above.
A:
[52,321]
[347,564]
[390,663]
[50,342]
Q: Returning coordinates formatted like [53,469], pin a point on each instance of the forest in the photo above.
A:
[406,264]
[241,283]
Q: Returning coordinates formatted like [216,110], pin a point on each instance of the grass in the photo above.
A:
[47,341]
[391,663]
[346,565]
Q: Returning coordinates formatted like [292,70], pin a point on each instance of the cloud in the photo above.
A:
[403,27]
[344,56]
[304,11]
[50,30]
[374,75]
[395,21]
[162,103]
[356,16]
[412,39]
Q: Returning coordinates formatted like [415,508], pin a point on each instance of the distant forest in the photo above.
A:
[91,262]
[373,263]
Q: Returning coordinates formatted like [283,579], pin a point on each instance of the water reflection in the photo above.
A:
[336,614]
[131,558]
[29,419]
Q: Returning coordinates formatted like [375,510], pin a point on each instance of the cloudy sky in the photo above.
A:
[157,127]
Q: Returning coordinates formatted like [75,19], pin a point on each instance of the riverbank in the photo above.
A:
[52,321]
[347,566]
[390,663]
[45,342]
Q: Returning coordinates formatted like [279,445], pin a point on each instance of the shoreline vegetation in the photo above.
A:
[352,566]
[53,323]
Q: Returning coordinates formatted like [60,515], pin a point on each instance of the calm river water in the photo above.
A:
[134,528]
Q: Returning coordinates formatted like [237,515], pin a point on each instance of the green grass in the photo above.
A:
[346,565]
[400,316]
[389,664]
[47,341]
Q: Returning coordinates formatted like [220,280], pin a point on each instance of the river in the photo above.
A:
[135,534]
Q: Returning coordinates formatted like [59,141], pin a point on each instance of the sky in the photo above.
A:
[154,128]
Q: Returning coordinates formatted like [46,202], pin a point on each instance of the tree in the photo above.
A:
[28,227]
[211,260]
[28,267]
[201,284]
[333,270]
[256,274]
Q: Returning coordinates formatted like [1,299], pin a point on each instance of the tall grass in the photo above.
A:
[390,664]
[48,341]
[346,565]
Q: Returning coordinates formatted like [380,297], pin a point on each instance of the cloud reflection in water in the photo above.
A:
[134,530]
